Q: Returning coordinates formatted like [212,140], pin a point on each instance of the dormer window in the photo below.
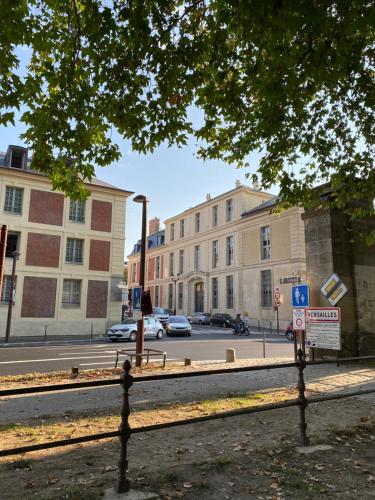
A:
[17,157]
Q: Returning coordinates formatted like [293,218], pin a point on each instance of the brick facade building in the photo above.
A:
[72,252]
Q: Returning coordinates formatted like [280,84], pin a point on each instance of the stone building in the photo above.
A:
[225,255]
[72,252]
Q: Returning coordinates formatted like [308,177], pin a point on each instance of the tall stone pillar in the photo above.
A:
[333,247]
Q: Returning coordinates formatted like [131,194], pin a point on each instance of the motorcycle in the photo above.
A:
[241,330]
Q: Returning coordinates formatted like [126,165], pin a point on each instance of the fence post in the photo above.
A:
[125,431]
[302,401]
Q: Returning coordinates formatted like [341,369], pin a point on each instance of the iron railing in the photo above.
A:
[127,380]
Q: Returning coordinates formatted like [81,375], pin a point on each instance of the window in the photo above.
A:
[74,251]
[215,214]
[13,200]
[230,251]
[181,262]
[13,243]
[265,243]
[156,296]
[215,293]
[171,232]
[5,292]
[134,271]
[171,264]
[170,296]
[157,268]
[180,295]
[71,295]
[215,253]
[182,228]
[266,288]
[17,158]
[196,258]
[229,292]
[77,211]
[197,222]
[229,210]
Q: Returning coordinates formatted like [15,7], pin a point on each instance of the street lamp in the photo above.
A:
[175,279]
[140,323]
[15,255]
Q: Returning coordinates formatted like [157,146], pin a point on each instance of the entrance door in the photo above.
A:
[199,297]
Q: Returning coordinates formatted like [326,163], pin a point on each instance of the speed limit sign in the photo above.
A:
[299,319]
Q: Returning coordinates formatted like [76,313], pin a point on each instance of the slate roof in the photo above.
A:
[268,204]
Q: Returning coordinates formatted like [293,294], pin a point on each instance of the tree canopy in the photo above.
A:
[293,79]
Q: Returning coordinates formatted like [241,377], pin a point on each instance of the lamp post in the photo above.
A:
[11,292]
[175,279]
[140,323]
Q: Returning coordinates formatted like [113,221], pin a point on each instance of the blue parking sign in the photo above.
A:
[137,298]
[300,296]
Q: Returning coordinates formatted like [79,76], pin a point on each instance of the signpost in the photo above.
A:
[323,327]
[333,289]
[300,296]
[277,304]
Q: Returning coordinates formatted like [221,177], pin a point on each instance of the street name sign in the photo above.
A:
[300,296]
[299,319]
[333,289]
[323,327]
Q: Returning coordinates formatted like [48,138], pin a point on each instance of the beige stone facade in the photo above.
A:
[226,255]
[72,255]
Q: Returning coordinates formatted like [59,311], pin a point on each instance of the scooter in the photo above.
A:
[241,330]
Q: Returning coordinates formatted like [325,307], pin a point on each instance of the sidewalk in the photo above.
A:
[320,378]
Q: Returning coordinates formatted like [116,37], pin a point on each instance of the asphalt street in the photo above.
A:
[205,344]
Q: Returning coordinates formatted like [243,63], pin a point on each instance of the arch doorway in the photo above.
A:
[198,297]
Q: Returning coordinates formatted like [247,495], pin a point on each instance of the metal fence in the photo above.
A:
[127,380]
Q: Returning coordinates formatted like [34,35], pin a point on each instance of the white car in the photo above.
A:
[127,330]
[178,325]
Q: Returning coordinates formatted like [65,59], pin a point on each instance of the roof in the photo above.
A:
[215,198]
[153,241]
[268,204]
[94,181]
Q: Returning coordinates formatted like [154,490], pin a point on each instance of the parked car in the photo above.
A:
[161,314]
[178,325]
[289,332]
[200,318]
[127,330]
[224,320]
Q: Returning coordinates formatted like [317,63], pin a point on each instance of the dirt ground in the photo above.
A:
[236,458]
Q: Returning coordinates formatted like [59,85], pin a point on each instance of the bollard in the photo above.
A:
[302,401]
[264,344]
[231,355]
[125,431]
[45,334]
[91,332]
[187,361]
[75,372]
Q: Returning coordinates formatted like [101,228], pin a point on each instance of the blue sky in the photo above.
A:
[173,179]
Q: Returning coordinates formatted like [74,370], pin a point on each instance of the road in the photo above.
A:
[206,343]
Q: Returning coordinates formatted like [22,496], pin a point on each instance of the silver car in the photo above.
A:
[200,318]
[127,330]
[178,325]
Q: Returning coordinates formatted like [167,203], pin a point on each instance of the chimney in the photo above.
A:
[208,197]
[256,186]
[153,225]
[238,183]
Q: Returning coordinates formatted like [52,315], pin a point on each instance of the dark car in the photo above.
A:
[224,320]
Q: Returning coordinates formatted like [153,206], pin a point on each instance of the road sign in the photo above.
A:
[136,298]
[299,319]
[333,289]
[323,315]
[300,296]
[323,327]
[277,297]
